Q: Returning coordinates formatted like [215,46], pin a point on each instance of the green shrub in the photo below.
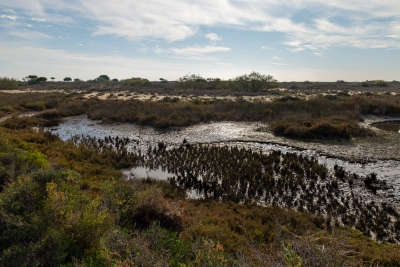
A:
[255,81]
[381,83]
[364,84]
[8,83]
[37,105]
[139,81]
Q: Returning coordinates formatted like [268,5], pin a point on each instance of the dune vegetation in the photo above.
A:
[330,117]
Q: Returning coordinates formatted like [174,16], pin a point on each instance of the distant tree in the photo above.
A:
[52,78]
[67,79]
[115,80]
[76,80]
[105,77]
[255,81]
[101,80]
[32,79]
[41,80]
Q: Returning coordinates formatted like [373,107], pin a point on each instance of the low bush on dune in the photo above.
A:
[8,83]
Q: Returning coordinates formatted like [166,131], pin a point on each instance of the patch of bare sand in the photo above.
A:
[126,95]
[30,90]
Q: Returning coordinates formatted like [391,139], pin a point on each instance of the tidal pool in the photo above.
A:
[221,133]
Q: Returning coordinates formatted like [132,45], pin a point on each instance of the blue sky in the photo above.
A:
[292,40]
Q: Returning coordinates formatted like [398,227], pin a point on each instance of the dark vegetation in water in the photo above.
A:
[67,204]
[286,180]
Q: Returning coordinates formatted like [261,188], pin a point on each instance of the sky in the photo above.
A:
[292,40]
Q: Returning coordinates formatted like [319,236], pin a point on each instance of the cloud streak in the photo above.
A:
[10,17]
[181,19]
[199,50]
[29,34]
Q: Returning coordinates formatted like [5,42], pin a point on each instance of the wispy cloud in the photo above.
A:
[10,17]
[29,34]
[180,19]
[159,51]
[199,50]
[264,47]
[59,64]
[280,64]
[39,19]
[143,48]
[213,37]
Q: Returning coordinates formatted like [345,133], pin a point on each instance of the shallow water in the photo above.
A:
[391,127]
[221,133]
[143,172]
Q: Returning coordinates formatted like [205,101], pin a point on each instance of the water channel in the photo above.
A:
[221,133]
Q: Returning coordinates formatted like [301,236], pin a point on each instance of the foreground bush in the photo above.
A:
[68,205]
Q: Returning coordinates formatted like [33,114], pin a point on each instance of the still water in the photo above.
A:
[391,127]
[221,133]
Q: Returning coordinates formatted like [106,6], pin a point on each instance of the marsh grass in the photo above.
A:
[67,204]
[318,118]
[29,101]
[276,179]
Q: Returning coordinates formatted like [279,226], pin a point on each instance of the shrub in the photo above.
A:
[8,83]
[21,123]
[153,207]
[255,81]
[139,81]
[320,130]
[381,83]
